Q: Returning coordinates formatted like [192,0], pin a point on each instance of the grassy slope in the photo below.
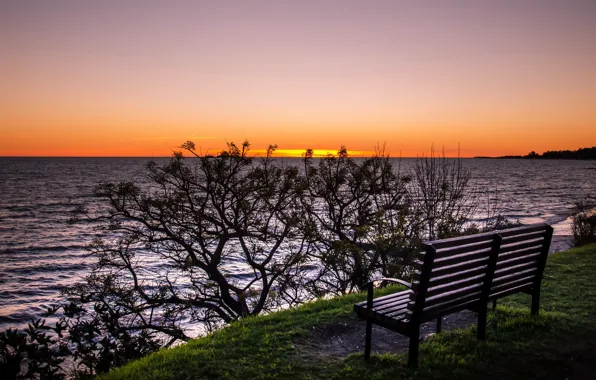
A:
[559,343]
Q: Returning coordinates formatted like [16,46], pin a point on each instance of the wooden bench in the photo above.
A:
[460,273]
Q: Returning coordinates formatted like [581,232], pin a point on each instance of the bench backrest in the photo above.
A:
[459,273]
[521,260]
[451,274]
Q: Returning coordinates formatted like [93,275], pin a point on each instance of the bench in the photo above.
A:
[460,273]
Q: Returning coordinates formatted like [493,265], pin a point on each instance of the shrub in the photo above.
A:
[583,224]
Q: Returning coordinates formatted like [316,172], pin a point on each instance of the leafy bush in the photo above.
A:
[583,224]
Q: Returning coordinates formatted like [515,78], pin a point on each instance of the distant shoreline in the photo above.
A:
[580,154]
[529,158]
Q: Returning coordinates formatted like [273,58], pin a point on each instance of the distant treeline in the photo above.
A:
[580,154]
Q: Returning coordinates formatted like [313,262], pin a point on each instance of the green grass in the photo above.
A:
[559,342]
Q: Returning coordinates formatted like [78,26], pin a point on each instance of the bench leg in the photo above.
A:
[439,323]
[482,322]
[413,350]
[367,342]
[535,301]
[494,304]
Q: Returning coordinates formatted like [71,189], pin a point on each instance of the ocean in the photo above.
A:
[40,252]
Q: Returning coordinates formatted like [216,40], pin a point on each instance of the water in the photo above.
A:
[40,252]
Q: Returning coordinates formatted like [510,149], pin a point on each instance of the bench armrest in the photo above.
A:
[396,280]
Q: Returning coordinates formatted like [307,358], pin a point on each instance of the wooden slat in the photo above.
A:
[518,260]
[460,258]
[387,309]
[393,321]
[389,305]
[453,285]
[396,298]
[470,298]
[519,252]
[432,314]
[513,284]
[528,273]
[397,312]
[521,230]
[521,245]
[452,251]
[462,240]
[509,291]
[524,237]
[450,277]
[515,269]
[461,267]
[453,295]
[380,299]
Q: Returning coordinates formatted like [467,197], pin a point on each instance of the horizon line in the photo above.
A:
[251,156]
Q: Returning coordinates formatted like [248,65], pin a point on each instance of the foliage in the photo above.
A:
[583,224]
[36,347]
[208,240]
[94,340]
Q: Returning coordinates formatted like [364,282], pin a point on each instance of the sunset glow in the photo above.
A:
[138,78]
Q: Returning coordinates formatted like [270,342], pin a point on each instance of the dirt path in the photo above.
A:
[342,339]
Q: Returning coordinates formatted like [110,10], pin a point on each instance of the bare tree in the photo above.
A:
[442,198]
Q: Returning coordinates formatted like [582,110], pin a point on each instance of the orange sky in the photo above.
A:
[138,78]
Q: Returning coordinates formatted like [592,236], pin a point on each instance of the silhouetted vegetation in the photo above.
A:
[583,224]
[580,154]
[207,240]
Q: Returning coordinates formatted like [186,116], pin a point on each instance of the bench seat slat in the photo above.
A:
[387,297]
[397,312]
[386,309]
[388,306]
[401,298]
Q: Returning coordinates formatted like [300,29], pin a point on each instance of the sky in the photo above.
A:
[139,78]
